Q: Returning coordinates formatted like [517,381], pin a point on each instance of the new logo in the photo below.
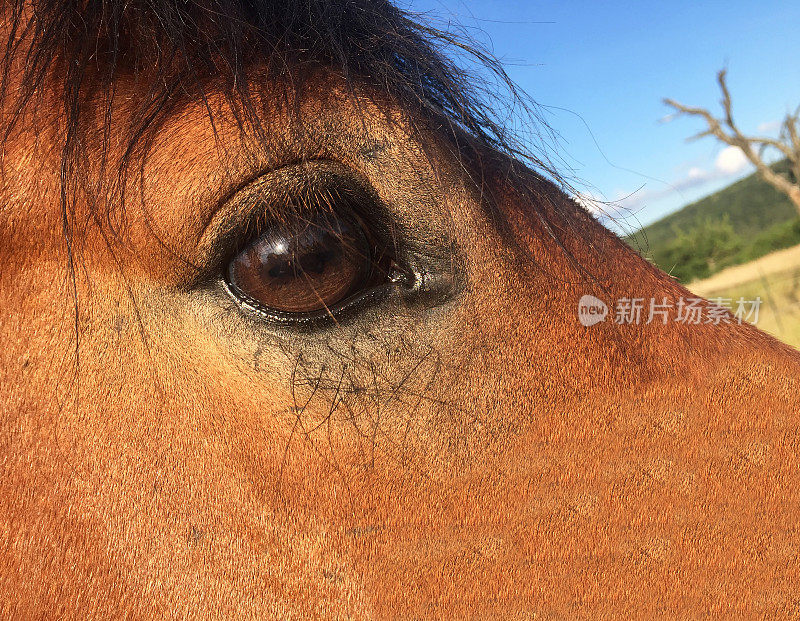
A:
[591,310]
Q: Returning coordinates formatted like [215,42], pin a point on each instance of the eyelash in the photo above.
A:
[265,216]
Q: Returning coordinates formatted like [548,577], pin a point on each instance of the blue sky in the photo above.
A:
[602,69]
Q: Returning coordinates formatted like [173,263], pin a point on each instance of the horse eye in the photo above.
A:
[310,265]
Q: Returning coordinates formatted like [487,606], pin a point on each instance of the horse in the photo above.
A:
[295,325]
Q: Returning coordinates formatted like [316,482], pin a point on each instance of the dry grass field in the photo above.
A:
[775,278]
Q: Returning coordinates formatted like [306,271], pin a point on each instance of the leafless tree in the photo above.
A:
[753,147]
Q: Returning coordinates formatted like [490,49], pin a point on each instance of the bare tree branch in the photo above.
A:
[753,147]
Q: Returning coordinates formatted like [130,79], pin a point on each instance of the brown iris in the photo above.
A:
[307,266]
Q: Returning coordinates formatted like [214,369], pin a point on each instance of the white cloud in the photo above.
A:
[769,127]
[697,173]
[599,207]
[730,161]
[584,201]
[592,204]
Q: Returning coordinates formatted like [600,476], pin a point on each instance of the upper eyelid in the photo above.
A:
[278,177]
[224,202]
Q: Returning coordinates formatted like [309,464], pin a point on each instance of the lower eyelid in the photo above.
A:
[340,311]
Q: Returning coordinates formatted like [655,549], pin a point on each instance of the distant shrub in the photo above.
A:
[781,235]
[706,248]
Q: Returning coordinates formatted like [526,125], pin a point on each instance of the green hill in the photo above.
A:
[737,224]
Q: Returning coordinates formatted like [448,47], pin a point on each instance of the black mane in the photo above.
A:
[178,45]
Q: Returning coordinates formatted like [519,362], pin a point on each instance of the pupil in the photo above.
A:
[282,269]
[316,262]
